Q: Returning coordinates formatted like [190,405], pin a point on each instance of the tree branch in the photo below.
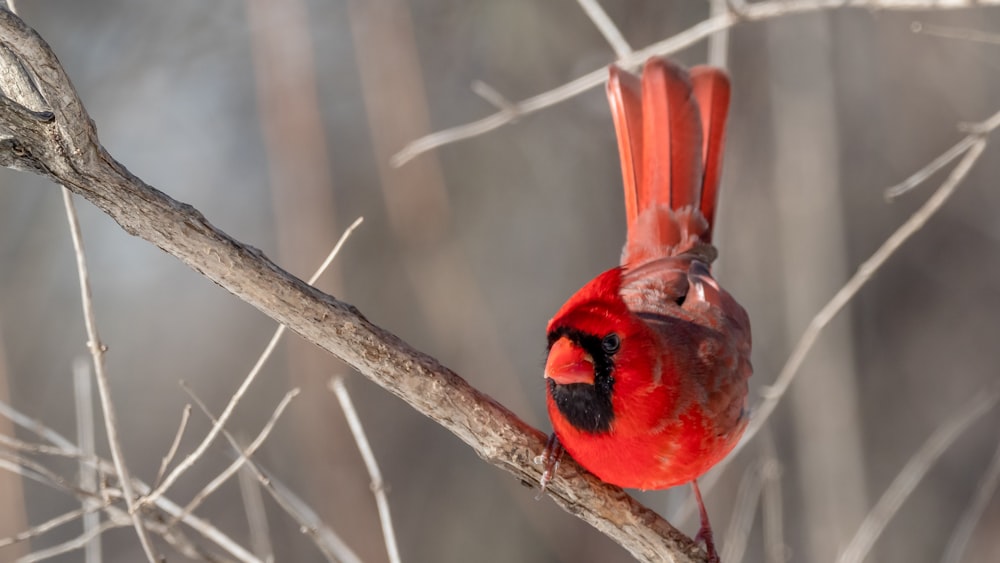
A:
[739,11]
[60,141]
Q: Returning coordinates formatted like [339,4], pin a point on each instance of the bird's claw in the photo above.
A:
[550,459]
[705,535]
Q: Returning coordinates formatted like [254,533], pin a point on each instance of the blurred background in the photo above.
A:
[278,119]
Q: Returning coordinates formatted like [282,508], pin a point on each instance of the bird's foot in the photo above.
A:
[705,531]
[550,460]
[705,535]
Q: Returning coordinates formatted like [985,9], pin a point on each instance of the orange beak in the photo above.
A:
[568,363]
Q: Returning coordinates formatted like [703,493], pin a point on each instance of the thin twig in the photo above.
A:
[173,536]
[191,458]
[747,12]
[607,27]
[336,250]
[203,527]
[97,349]
[327,541]
[921,176]
[31,447]
[245,455]
[773,394]
[71,545]
[985,490]
[185,417]
[89,478]
[39,429]
[556,95]
[179,541]
[40,529]
[377,485]
[17,469]
[253,503]
[718,42]
[491,95]
[44,475]
[911,474]
[976,132]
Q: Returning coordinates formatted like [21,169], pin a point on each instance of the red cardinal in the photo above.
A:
[648,363]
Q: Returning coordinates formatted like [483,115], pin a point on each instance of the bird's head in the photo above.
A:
[599,352]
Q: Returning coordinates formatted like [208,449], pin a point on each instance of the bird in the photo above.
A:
[648,364]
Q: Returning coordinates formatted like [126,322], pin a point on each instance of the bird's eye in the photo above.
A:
[611,343]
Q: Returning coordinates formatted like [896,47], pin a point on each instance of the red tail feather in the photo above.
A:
[711,89]
[671,137]
[670,130]
[625,97]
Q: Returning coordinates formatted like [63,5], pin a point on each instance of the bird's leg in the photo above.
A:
[705,532]
[550,458]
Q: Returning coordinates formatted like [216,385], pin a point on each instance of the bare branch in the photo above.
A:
[40,529]
[911,474]
[746,12]
[718,43]
[97,349]
[185,417]
[16,469]
[327,541]
[38,472]
[377,485]
[71,545]
[204,528]
[67,150]
[976,132]
[607,27]
[249,379]
[336,250]
[63,446]
[245,455]
[773,394]
[491,95]
[921,176]
[22,446]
